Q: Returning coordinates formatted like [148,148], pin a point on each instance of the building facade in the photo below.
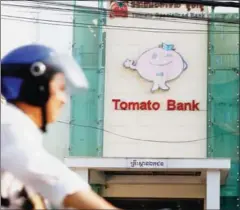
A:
[159,127]
[134,116]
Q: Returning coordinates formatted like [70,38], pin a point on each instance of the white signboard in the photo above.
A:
[155,83]
[146,163]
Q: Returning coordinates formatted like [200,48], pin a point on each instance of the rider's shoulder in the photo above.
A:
[16,126]
[12,115]
[17,119]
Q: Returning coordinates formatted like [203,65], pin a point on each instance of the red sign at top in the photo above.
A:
[118,9]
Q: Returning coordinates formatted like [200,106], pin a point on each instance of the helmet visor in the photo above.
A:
[75,77]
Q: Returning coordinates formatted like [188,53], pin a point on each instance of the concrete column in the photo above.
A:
[213,190]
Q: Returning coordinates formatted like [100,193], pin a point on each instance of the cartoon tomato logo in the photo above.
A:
[118,9]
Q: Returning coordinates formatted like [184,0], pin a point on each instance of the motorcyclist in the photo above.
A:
[34,79]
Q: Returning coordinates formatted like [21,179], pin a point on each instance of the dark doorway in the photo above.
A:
[157,204]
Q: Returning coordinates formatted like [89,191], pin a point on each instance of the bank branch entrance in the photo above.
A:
[155,183]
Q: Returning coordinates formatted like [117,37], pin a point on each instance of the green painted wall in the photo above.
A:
[86,135]
[230,203]
[223,103]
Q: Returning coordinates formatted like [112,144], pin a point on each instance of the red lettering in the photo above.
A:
[149,103]
[195,106]
[156,106]
[144,105]
[123,105]
[171,105]
[133,105]
[115,101]
[181,106]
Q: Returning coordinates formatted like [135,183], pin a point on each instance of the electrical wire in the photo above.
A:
[112,27]
[108,11]
[102,11]
[147,140]
[211,3]
[76,13]
[141,15]
[127,137]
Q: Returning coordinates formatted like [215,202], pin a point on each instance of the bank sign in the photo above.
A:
[122,9]
[148,105]
[158,65]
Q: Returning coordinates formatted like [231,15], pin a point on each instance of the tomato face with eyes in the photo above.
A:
[119,9]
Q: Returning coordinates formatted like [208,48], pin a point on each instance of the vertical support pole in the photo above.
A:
[72,105]
[74,4]
[238,173]
[210,72]
[213,190]
[101,88]
[101,83]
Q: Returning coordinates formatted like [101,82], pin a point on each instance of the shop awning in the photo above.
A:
[195,169]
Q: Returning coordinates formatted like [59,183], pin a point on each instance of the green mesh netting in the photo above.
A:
[223,99]
[87,107]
